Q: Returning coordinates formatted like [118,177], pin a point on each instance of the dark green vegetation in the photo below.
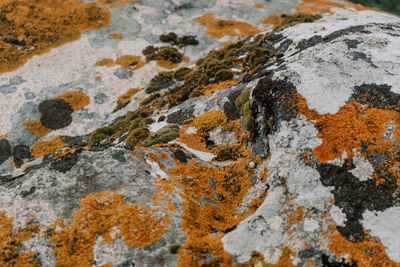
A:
[392,6]
[179,41]
[215,67]
[167,53]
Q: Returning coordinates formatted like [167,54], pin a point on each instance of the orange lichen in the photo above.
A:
[324,6]
[166,64]
[351,127]
[76,99]
[274,20]
[368,252]
[257,5]
[33,28]
[165,195]
[207,122]
[154,158]
[11,241]
[101,214]
[212,88]
[163,155]
[296,216]
[65,151]
[3,136]
[41,148]
[219,28]
[36,127]
[116,35]
[115,3]
[127,96]
[127,62]
[185,59]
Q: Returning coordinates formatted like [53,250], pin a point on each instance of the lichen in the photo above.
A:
[41,148]
[76,99]
[100,214]
[162,136]
[11,243]
[36,127]
[33,28]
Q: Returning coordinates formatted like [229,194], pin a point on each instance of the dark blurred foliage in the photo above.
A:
[392,6]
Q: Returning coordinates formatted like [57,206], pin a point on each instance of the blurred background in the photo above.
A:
[392,6]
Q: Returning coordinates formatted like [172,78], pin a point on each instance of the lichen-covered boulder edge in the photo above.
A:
[206,133]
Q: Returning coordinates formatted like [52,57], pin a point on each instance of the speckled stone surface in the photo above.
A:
[278,146]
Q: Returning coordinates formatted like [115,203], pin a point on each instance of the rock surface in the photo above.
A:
[199,133]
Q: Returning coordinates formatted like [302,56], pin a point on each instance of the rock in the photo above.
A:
[268,138]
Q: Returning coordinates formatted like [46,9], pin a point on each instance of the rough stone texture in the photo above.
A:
[315,182]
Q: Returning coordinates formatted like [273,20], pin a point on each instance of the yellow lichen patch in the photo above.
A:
[127,62]
[101,214]
[154,158]
[11,240]
[274,20]
[127,96]
[3,136]
[66,151]
[105,62]
[185,59]
[368,252]
[219,28]
[212,88]
[115,3]
[76,99]
[204,124]
[198,184]
[36,127]
[41,148]
[34,27]
[257,5]
[116,35]
[165,195]
[317,6]
[163,155]
[353,125]
[166,64]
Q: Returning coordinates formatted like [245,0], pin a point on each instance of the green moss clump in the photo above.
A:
[227,153]
[291,20]
[257,57]
[136,136]
[223,75]
[162,80]
[179,41]
[162,136]
[100,134]
[181,73]
[243,105]
[167,53]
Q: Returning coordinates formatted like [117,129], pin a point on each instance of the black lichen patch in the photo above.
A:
[230,110]
[56,113]
[377,95]
[181,156]
[5,150]
[65,163]
[179,41]
[354,196]
[28,192]
[22,152]
[327,262]
[270,98]
[167,53]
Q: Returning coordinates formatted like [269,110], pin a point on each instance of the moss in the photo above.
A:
[162,80]
[259,56]
[166,53]
[162,136]
[179,41]
[136,136]
[290,20]
[223,75]
[243,105]
[181,73]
